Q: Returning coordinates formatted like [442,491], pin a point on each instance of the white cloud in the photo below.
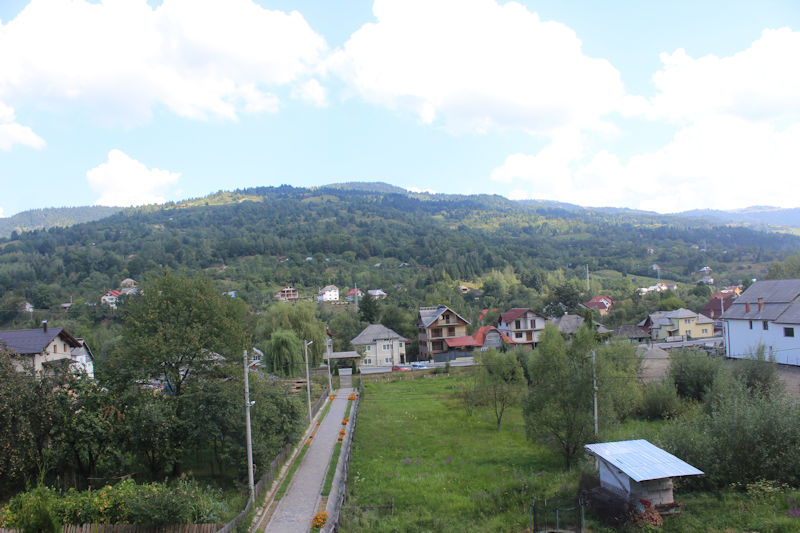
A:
[12,133]
[476,65]
[123,181]
[736,144]
[199,58]
[312,91]
[1,212]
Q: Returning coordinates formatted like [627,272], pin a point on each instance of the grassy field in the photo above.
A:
[416,447]
[444,470]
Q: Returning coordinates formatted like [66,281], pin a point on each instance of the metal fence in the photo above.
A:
[274,467]
[130,528]
[339,488]
[556,514]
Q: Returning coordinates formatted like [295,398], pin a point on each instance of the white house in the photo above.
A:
[111,298]
[82,358]
[522,325]
[768,314]
[329,293]
[382,346]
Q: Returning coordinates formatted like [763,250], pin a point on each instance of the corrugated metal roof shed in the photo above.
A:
[640,460]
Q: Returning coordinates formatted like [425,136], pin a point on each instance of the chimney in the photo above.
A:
[44,326]
[747,307]
[760,304]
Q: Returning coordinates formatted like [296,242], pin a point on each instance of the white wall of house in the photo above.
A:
[331,295]
[516,328]
[385,352]
[741,339]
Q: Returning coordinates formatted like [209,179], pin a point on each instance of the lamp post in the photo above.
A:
[249,436]
[330,353]
[306,344]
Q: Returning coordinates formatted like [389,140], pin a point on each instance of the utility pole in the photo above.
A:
[249,436]
[330,353]
[587,278]
[356,296]
[594,394]
[306,344]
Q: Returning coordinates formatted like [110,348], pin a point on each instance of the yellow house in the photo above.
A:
[681,324]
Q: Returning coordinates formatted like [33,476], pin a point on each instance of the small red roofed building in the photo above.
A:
[522,326]
[110,298]
[484,338]
[601,304]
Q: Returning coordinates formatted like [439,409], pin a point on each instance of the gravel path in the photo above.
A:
[299,505]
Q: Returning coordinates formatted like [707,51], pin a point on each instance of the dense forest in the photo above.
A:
[418,248]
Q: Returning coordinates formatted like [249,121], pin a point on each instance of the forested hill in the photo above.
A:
[257,240]
[53,217]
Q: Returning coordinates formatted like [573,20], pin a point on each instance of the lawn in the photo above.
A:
[445,470]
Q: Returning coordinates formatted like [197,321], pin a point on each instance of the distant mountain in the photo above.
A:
[379,187]
[52,217]
[755,215]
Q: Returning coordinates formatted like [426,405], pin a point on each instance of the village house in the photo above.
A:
[287,294]
[382,346]
[766,314]
[436,324]
[484,338]
[717,305]
[353,293]
[110,298]
[377,294]
[328,293]
[522,326]
[601,304]
[570,324]
[680,324]
[43,348]
[633,333]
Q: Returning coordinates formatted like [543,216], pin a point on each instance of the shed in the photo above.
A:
[637,469]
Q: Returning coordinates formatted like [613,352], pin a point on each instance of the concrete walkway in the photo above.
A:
[299,505]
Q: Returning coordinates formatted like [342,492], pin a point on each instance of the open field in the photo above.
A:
[415,447]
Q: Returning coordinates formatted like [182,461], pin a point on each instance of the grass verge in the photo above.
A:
[326,487]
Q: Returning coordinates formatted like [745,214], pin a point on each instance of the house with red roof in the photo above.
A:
[718,304]
[110,298]
[522,325]
[484,338]
[600,303]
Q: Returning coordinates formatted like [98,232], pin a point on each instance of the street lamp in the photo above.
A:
[306,344]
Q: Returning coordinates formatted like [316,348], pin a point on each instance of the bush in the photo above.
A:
[660,401]
[693,373]
[741,439]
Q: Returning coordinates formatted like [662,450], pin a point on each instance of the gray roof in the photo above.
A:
[33,341]
[428,315]
[570,324]
[780,302]
[664,318]
[641,460]
[375,332]
[631,331]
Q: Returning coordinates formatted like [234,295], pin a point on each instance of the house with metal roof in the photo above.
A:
[484,338]
[382,346]
[436,324]
[42,348]
[639,470]
[766,314]
[328,293]
[570,324]
[680,324]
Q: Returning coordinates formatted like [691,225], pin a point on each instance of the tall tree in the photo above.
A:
[368,310]
[284,353]
[178,328]
[559,402]
[301,318]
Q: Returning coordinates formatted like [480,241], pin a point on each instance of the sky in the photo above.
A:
[657,105]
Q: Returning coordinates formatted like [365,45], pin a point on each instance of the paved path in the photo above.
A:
[299,505]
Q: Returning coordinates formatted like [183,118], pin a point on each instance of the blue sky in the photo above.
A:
[664,106]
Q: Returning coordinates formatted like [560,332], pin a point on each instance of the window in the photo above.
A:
[369,349]
[788,332]
[517,325]
[518,334]
[401,344]
[451,332]
[687,321]
[388,360]
[368,361]
[437,332]
[705,331]
[55,350]
[387,347]
[447,318]
[751,324]
[765,325]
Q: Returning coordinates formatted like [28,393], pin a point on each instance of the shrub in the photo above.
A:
[660,400]
[693,373]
